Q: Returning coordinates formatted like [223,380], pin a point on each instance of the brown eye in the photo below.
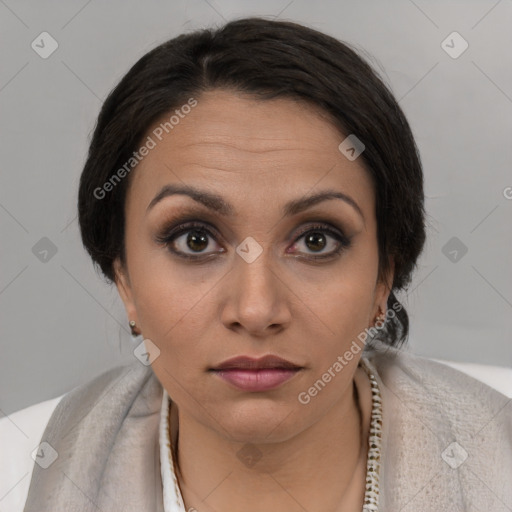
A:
[197,240]
[321,241]
[315,241]
[189,241]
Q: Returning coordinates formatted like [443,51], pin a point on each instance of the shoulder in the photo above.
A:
[403,364]
[450,388]
[446,435]
[448,402]
[22,431]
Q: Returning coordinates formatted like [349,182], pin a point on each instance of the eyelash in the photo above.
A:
[171,233]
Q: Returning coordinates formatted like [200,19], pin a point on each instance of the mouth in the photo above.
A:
[250,374]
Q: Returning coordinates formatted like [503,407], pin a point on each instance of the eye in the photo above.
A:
[195,240]
[321,241]
[189,240]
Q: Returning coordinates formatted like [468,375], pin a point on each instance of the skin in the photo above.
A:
[257,155]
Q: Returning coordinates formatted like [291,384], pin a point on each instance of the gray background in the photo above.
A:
[61,324]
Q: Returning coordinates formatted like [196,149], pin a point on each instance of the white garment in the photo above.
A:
[21,432]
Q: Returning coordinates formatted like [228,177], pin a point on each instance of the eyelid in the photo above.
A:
[177,227]
[321,225]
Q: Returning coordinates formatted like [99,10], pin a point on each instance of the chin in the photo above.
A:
[265,422]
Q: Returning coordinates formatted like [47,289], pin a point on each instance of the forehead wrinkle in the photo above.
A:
[252,150]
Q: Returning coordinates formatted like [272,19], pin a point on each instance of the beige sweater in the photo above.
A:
[447,442]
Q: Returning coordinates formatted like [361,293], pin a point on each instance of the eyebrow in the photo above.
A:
[218,204]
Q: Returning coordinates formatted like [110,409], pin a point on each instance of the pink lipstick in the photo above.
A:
[251,374]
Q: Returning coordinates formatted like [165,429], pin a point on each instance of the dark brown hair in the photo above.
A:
[266,59]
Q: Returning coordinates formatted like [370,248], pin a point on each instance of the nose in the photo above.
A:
[255,298]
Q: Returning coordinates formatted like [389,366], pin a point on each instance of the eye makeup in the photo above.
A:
[184,229]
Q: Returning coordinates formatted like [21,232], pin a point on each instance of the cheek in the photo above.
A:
[342,295]
[177,321]
[175,316]
[168,294]
[341,316]
[342,307]
[174,310]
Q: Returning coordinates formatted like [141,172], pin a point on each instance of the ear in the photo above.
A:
[125,290]
[382,291]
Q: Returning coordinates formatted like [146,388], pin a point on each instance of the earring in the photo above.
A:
[381,318]
[133,328]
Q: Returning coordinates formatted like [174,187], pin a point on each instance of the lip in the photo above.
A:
[252,363]
[257,380]
[256,374]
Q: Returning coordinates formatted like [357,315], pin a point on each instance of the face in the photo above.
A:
[272,251]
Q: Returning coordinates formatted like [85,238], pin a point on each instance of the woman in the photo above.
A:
[256,195]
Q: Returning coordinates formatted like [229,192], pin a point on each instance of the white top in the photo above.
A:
[173,500]
[21,432]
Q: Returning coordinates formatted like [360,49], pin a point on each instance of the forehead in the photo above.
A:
[268,146]
[253,125]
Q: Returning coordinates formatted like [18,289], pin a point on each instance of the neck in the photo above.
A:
[319,469]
